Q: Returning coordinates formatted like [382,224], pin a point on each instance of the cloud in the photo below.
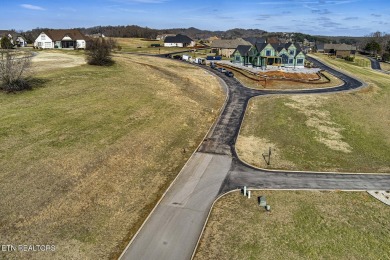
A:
[263,17]
[32,7]
[351,18]
[376,15]
[321,12]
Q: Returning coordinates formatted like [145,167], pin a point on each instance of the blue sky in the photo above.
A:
[325,17]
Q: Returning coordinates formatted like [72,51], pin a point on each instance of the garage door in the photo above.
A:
[47,45]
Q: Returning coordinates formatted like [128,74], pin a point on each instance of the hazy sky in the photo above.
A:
[326,17]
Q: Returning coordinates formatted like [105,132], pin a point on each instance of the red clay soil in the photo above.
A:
[293,76]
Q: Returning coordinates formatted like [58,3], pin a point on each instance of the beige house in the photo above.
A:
[227,47]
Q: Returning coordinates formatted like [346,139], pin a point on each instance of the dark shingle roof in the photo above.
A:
[178,39]
[261,46]
[243,49]
[278,46]
[254,40]
[58,35]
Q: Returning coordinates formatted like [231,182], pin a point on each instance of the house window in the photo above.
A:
[238,58]
[43,37]
[290,61]
[268,53]
[299,61]
[291,52]
[284,58]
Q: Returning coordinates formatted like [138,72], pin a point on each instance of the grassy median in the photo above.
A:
[300,225]
[86,155]
[337,132]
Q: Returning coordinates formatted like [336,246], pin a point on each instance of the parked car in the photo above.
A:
[223,70]
[229,73]
[219,69]
[212,65]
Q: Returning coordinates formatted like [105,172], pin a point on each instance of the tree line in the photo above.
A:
[378,44]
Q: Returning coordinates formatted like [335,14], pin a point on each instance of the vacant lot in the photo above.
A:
[139,45]
[86,155]
[301,225]
[336,132]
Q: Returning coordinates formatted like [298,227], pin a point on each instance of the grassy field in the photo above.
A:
[337,132]
[300,225]
[86,155]
[385,66]
[139,45]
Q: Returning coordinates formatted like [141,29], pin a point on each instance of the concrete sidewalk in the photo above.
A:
[173,228]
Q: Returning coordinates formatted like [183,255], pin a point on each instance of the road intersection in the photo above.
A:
[174,226]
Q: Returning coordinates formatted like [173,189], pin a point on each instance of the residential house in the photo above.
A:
[20,41]
[212,39]
[61,39]
[338,50]
[15,38]
[179,40]
[227,47]
[266,54]
[161,37]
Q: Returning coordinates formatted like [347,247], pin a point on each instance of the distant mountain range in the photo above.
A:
[197,34]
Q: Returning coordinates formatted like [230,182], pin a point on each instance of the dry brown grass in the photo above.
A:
[301,225]
[385,66]
[86,156]
[345,132]
[47,60]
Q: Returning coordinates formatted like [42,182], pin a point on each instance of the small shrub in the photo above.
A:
[349,58]
[99,52]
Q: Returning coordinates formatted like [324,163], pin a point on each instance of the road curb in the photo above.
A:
[223,85]
[364,84]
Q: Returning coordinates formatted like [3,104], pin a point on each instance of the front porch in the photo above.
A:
[65,44]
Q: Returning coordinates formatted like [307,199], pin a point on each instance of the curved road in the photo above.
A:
[174,226]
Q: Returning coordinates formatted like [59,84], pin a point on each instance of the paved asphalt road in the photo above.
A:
[173,228]
[375,65]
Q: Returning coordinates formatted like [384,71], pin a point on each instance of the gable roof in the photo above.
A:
[260,46]
[179,38]
[243,49]
[58,35]
[279,47]
[229,44]
[339,47]
[254,40]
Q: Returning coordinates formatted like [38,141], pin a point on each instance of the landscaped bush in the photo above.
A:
[99,52]
[386,57]
[349,58]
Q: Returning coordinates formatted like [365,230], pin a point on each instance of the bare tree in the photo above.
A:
[13,67]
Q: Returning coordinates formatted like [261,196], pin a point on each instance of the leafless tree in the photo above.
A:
[13,69]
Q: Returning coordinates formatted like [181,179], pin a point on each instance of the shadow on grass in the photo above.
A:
[26,84]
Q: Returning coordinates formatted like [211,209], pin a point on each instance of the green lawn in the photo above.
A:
[300,225]
[338,132]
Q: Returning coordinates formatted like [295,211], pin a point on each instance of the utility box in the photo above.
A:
[262,201]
